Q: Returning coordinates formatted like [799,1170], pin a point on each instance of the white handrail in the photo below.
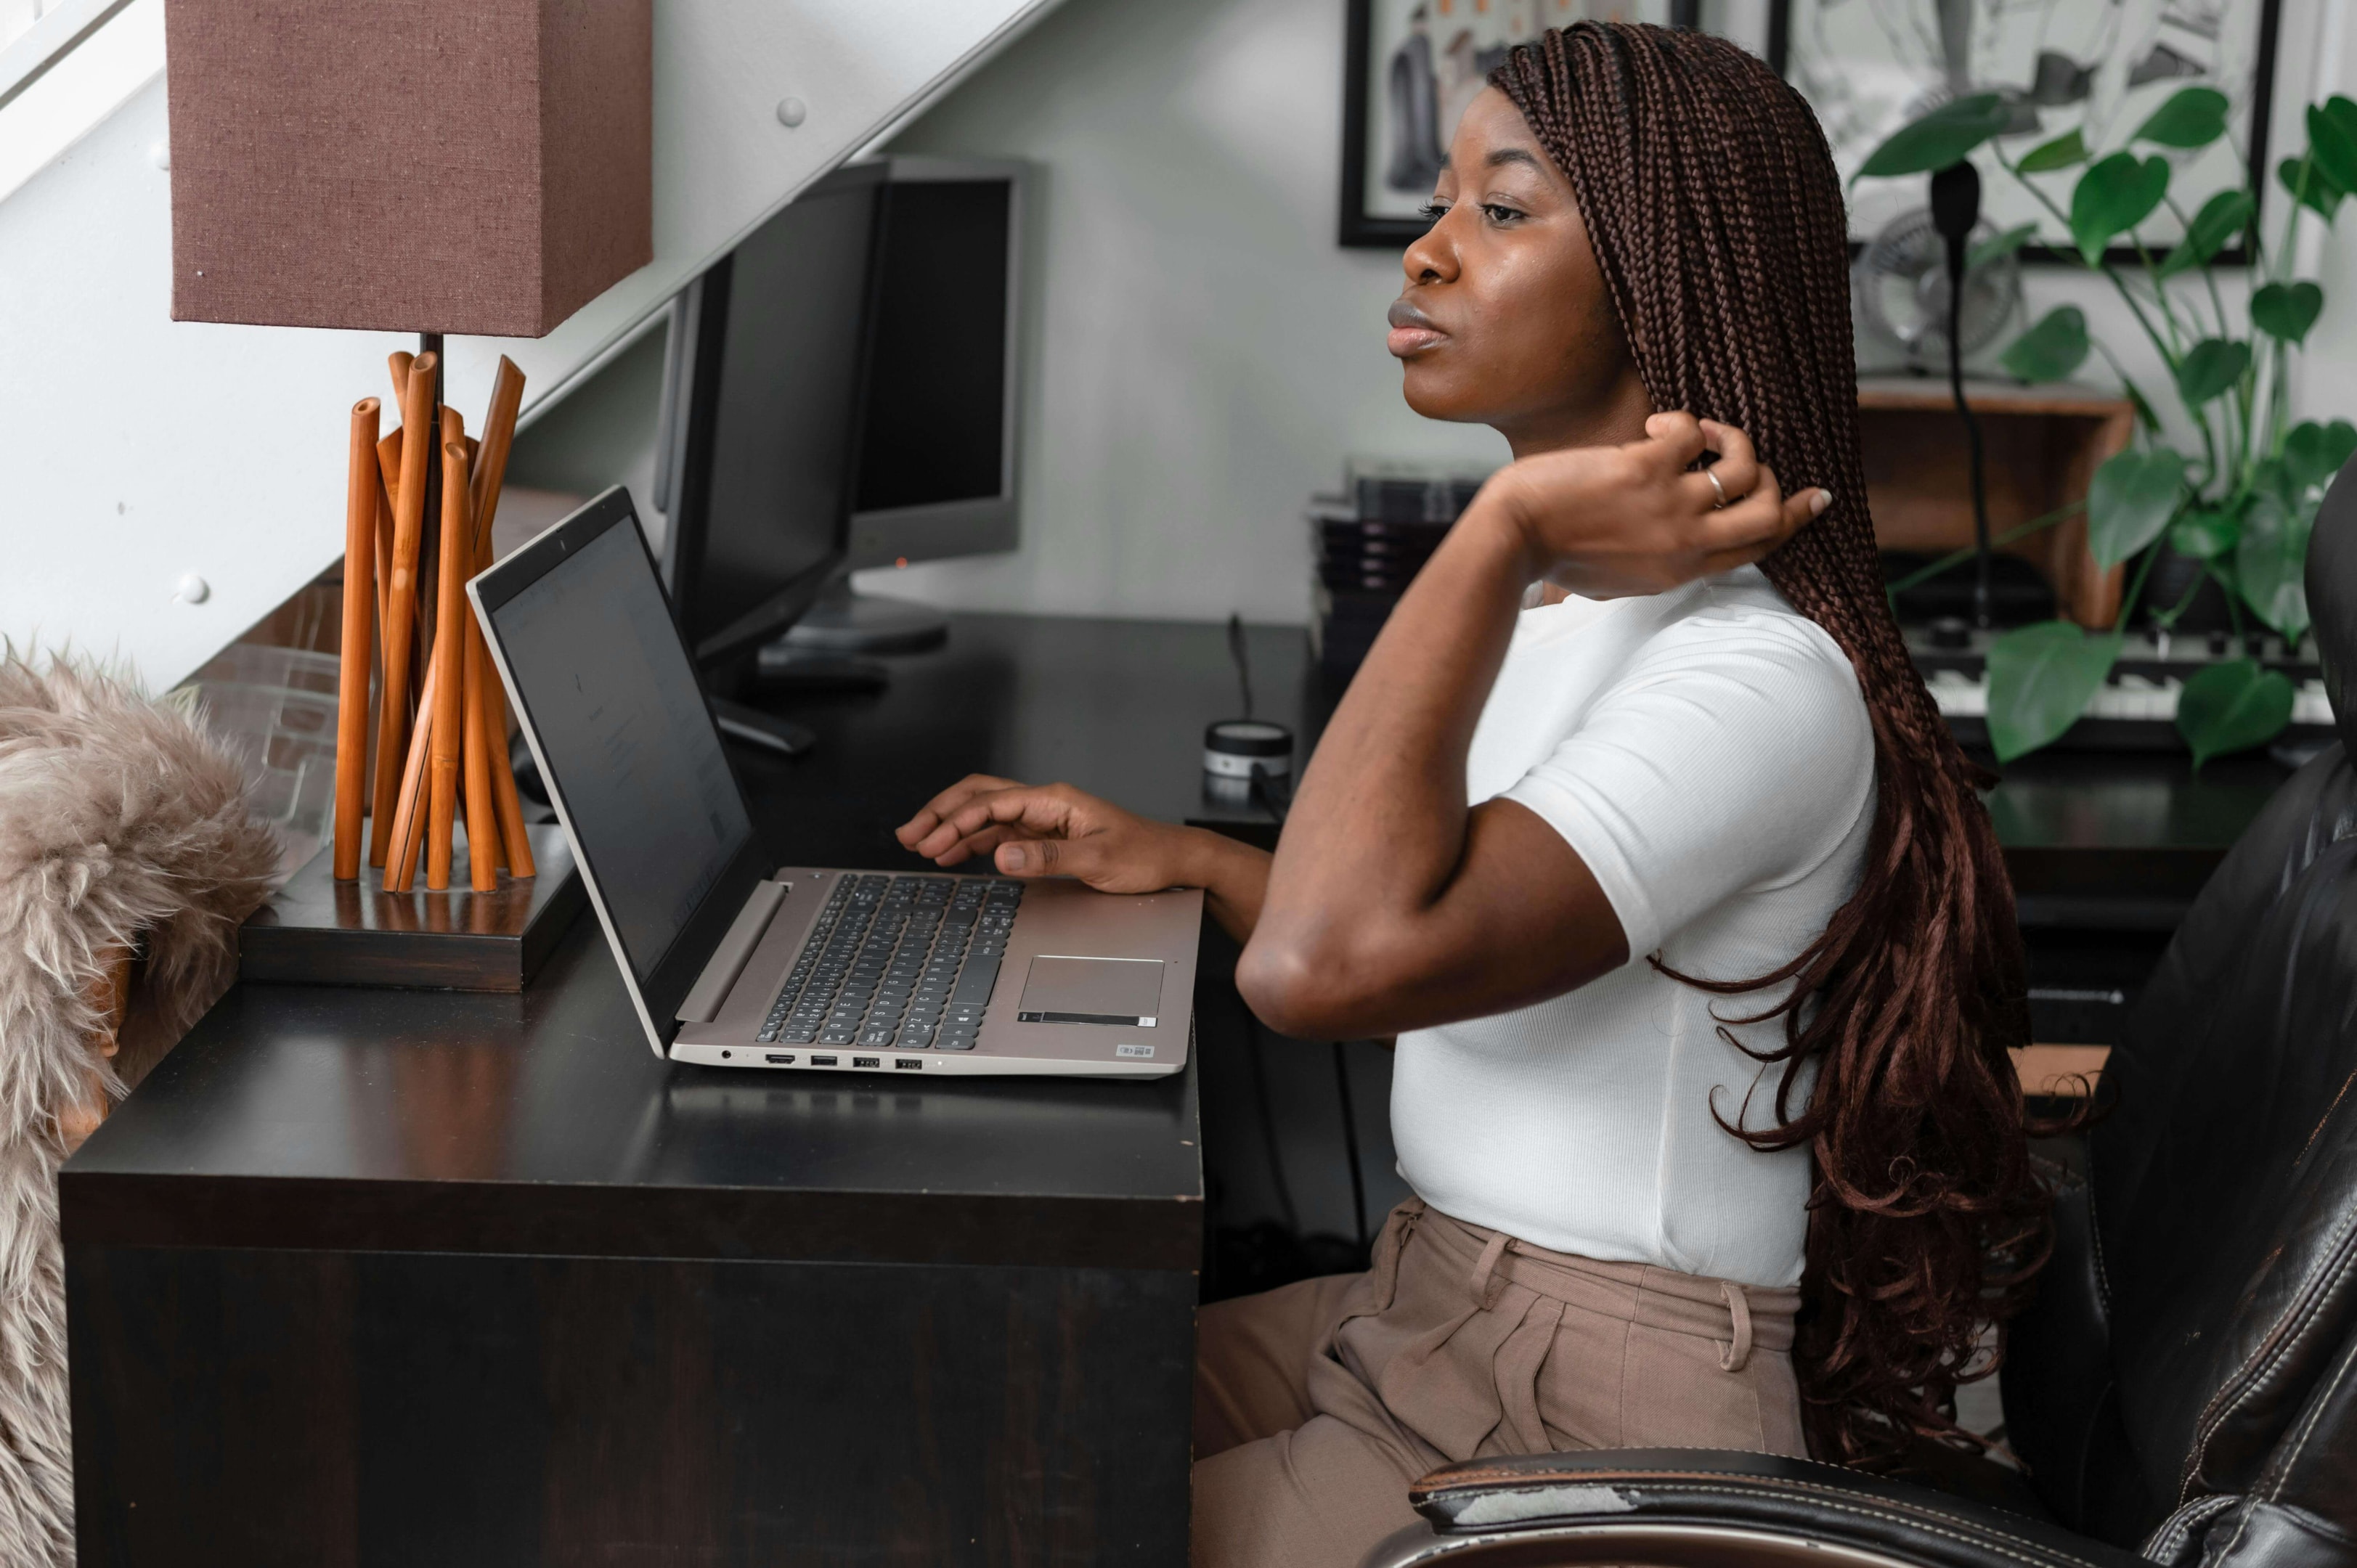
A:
[48,40]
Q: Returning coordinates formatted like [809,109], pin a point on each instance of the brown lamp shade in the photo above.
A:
[478,167]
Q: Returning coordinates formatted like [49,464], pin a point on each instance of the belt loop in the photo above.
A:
[1486,1283]
[1739,1306]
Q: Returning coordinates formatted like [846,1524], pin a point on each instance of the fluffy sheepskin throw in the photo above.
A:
[122,827]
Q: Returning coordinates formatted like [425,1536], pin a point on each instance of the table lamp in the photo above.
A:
[476,166]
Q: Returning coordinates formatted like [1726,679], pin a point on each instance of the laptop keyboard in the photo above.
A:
[906,962]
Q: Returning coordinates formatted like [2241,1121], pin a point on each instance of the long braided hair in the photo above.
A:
[1712,203]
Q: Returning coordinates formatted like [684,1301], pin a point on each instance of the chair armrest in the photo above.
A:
[1692,1507]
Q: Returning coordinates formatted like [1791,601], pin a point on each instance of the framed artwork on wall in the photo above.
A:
[2099,67]
[1411,67]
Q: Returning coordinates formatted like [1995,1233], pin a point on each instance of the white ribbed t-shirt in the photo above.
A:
[1707,753]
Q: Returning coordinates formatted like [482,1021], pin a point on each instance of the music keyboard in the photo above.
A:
[2136,708]
[2138,697]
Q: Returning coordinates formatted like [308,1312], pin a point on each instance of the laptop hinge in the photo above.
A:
[735,951]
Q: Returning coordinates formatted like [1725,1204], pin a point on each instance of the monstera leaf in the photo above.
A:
[2312,185]
[2064,150]
[2221,218]
[2208,368]
[2332,143]
[2231,707]
[2052,350]
[2314,453]
[2286,310]
[2041,680]
[1940,138]
[2132,499]
[2193,117]
[2205,535]
[2271,565]
[2112,198]
[2273,477]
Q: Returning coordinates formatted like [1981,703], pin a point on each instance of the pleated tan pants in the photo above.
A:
[1316,1406]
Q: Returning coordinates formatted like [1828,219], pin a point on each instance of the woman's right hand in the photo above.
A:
[1616,522]
[1053,830]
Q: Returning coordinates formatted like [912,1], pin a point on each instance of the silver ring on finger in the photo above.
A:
[1714,485]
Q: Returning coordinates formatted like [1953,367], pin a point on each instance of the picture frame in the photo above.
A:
[2091,65]
[1398,110]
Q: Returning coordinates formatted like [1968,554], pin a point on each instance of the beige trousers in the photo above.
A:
[1316,1406]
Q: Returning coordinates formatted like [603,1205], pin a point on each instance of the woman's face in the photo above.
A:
[1505,320]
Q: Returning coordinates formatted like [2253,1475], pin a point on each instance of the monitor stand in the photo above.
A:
[743,691]
[782,669]
[763,732]
[845,622]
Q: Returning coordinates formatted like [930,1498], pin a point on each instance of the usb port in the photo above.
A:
[909,1064]
[865,1061]
[822,1062]
[782,1058]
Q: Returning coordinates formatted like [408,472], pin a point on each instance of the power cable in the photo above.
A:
[1242,657]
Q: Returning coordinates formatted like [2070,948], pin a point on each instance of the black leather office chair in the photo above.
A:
[2184,1388]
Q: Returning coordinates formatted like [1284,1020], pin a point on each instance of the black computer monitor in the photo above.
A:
[764,395]
[944,395]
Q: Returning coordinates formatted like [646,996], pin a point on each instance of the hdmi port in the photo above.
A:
[783,1059]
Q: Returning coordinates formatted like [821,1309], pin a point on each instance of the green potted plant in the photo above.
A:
[2243,505]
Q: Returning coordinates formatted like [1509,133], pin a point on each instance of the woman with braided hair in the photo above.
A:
[1673,886]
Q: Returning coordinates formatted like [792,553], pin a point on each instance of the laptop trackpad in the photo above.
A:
[1122,991]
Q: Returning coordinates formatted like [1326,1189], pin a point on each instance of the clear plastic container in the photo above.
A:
[277,708]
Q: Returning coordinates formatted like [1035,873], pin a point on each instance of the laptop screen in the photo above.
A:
[624,735]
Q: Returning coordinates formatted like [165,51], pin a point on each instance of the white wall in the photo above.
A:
[1209,356]
[2325,378]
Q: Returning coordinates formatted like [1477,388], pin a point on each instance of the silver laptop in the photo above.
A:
[734,961]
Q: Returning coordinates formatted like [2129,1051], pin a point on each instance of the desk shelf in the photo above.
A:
[2043,445]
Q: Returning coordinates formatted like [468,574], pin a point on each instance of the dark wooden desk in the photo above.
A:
[397,1277]
[404,1278]
[388,1277]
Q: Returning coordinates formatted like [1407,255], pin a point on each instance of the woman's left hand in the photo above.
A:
[1618,522]
[1054,829]
[1051,830]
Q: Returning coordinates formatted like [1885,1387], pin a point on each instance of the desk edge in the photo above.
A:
[112,1208]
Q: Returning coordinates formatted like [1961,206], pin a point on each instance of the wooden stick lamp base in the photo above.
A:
[418,510]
